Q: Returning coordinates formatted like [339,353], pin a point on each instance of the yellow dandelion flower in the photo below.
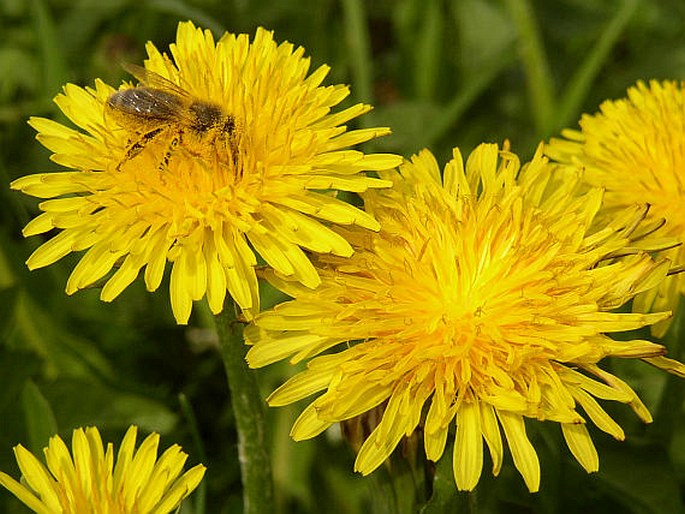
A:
[485,299]
[137,483]
[222,151]
[634,149]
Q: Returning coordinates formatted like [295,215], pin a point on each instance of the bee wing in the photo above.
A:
[154,80]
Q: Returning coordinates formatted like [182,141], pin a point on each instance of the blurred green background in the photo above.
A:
[441,74]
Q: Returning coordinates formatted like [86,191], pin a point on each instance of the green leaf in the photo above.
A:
[40,420]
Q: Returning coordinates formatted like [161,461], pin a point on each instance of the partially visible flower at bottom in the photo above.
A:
[137,483]
[485,298]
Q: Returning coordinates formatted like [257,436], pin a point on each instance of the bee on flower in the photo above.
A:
[160,109]
[221,152]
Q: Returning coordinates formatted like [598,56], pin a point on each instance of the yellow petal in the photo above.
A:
[522,451]
[581,446]
[37,478]
[468,447]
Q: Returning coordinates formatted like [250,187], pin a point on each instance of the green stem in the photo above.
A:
[248,407]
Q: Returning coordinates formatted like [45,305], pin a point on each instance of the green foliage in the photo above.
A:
[441,74]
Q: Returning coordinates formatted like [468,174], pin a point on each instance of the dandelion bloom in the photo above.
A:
[634,147]
[485,298]
[223,151]
[137,483]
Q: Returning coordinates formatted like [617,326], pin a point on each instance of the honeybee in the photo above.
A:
[158,109]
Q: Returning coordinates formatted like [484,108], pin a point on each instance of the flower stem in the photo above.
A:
[248,408]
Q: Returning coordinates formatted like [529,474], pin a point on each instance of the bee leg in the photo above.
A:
[233,144]
[138,146]
[170,150]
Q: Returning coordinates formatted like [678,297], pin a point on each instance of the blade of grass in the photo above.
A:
[535,65]
[357,34]
[583,78]
[454,110]
[428,47]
